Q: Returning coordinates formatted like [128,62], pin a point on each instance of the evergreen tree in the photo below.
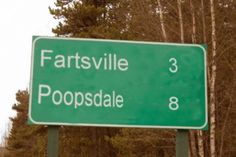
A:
[144,142]
[140,20]
[25,140]
[88,19]
[84,18]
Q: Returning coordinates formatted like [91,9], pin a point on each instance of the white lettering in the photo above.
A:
[105,62]
[40,94]
[81,96]
[85,62]
[97,100]
[57,92]
[59,61]
[89,101]
[43,57]
[97,65]
[123,64]
[119,101]
[77,99]
[70,95]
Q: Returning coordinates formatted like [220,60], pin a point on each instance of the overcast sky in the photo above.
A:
[19,21]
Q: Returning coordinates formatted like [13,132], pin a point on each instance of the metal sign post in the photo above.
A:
[52,145]
[182,143]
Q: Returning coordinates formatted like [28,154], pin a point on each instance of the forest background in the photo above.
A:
[210,22]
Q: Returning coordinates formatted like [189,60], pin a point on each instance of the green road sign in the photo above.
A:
[90,82]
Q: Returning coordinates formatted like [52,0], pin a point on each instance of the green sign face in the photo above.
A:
[113,83]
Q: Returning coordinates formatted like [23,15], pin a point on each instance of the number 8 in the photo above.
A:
[173,105]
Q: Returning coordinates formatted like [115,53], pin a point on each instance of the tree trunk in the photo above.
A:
[94,147]
[203,22]
[194,40]
[200,133]
[162,21]
[200,144]
[223,131]
[212,84]
[193,145]
[181,21]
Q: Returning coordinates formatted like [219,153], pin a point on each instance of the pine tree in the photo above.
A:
[144,142]
[87,19]
[141,20]
[84,18]
[25,140]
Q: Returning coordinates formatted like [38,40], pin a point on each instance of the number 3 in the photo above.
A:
[174,67]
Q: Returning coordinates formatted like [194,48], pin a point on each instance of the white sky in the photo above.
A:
[19,20]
